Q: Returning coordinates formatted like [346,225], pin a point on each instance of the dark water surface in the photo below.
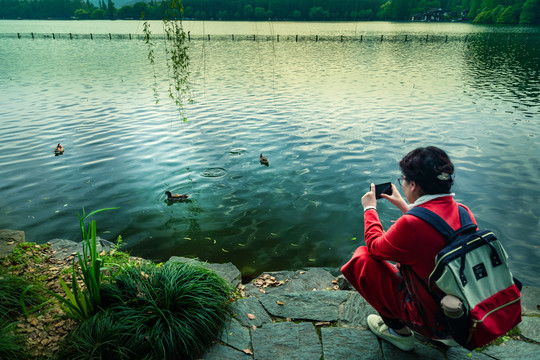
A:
[331,117]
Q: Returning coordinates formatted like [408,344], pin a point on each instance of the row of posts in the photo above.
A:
[254,37]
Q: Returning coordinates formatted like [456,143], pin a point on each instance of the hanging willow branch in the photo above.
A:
[176,54]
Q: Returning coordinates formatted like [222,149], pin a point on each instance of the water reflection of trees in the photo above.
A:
[505,64]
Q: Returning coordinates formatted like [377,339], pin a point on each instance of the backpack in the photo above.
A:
[473,266]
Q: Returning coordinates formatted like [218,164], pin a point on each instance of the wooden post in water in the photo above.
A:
[188,36]
[341,38]
[446,40]
[361,38]
[405,38]
[232,37]
[278,38]
[19,35]
[32,35]
[296,38]
[70,36]
[110,36]
[53,36]
[316,38]
[382,37]
[253,37]
[208,37]
[129,36]
[91,36]
[427,38]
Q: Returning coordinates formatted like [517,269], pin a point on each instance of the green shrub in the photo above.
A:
[12,345]
[104,336]
[177,308]
[18,297]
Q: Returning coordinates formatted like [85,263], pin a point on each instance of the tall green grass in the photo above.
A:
[84,303]
[12,345]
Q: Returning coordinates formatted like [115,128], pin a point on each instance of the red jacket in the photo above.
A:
[411,241]
[413,245]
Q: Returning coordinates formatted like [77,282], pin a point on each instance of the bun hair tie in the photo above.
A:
[445,176]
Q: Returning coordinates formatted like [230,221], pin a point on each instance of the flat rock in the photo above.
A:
[421,351]
[348,343]
[530,327]
[309,305]
[459,353]
[513,349]
[227,271]
[224,352]
[250,305]
[355,310]
[296,281]
[9,239]
[235,335]
[530,300]
[286,340]
[64,248]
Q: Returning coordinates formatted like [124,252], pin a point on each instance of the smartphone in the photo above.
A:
[385,188]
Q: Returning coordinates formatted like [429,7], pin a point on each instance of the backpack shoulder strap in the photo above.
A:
[442,226]
[433,219]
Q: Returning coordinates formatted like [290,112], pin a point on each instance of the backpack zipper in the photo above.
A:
[475,322]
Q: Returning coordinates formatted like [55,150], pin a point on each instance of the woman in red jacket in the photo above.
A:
[398,292]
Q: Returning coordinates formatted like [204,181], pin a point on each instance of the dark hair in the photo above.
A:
[429,167]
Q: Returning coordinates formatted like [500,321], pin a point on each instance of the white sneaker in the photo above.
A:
[379,328]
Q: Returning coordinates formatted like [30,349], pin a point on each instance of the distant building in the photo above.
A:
[431,15]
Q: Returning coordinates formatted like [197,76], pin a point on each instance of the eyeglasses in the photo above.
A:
[401,179]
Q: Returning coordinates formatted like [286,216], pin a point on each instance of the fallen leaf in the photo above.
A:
[321,323]
[11,242]
[224,250]
[280,302]
[251,316]
[248,351]
[288,319]
[253,327]
[302,272]
[293,244]
[334,281]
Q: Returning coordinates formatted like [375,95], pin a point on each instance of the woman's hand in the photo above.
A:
[369,198]
[395,198]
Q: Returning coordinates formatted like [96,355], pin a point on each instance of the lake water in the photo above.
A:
[331,115]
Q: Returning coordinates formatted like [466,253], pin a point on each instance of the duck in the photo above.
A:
[263,160]
[59,150]
[176,197]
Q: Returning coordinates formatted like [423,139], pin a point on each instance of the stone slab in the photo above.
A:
[530,328]
[355,310]
[514,350]
[286,340]
[250,305]
[224,352]
[296,281]
[349,343]
[235,335]
[9,239]
[530,300]
[227,271]
[307,305]
[63,248]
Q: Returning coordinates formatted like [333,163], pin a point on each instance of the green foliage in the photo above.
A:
[19,297]
[83,303]
[510,15]
[530,13]
[12,345]
[104,336]
[177,308]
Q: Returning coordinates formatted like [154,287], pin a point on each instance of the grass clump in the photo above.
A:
[172,311]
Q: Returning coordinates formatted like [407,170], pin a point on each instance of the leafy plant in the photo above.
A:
[104,336]
[12,345]
[17,295]
[83,303]
[178,308]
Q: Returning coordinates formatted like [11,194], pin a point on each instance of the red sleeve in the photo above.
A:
[397,244]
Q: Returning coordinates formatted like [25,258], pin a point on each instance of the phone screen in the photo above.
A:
[385,188]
